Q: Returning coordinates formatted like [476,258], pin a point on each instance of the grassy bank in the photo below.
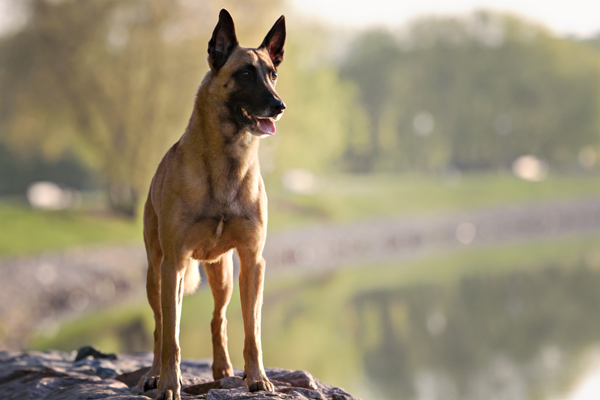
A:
[26,231]
[340,198]
[346,198]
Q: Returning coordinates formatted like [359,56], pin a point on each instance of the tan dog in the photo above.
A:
[207,198]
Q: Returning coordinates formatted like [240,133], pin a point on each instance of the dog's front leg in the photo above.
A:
[172,274]
[252,273]
[220,278]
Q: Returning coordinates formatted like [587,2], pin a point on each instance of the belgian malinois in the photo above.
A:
[207,198]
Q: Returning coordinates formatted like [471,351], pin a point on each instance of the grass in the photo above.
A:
[345,198]
[23,230]
[308,319]
[339,199]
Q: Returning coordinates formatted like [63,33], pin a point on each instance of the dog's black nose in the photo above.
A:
[277,105]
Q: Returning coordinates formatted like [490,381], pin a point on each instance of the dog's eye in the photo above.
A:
[245,74]
[273,75]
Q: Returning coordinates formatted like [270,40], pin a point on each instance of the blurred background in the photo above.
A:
[434,187]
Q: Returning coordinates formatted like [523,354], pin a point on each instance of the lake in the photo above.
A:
[516,321]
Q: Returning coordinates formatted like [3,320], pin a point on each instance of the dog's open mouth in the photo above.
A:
[265,125]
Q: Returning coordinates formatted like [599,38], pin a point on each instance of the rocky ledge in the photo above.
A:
[90,374]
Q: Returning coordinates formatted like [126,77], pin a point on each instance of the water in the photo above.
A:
[516,322]
[522,335]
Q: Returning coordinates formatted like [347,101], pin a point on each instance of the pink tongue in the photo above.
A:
[266,126]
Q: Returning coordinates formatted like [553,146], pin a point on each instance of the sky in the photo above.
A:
[580,18]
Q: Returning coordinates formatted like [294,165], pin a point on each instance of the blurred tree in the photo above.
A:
[500,88]
[370,64]
[476,93]
[18,171]
[114,80]
[323,114]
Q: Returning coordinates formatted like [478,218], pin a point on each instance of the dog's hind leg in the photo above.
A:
[172,272]
[153,291]
[220,278]
[154,255]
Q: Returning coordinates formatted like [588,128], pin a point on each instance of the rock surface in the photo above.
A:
[90,374]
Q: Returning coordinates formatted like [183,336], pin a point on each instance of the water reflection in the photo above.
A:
[516,336]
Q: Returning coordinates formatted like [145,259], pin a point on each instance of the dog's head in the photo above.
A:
[246,77]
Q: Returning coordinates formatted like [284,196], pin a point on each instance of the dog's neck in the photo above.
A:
[216,145]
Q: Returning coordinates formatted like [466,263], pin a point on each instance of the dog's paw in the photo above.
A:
[168,394]
[148,382]
[220,373]
[262,385]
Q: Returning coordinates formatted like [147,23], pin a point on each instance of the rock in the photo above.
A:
[91,374]
[203,388]
[89,351]
[131,379]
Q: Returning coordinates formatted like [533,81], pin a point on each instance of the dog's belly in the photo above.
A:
[213,237]
[210,252]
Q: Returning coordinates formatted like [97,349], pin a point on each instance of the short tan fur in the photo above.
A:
[206,199]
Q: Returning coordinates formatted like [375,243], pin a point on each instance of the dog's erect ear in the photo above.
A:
[275,40]
[223,41]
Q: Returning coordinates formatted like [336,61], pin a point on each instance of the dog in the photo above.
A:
[208,198]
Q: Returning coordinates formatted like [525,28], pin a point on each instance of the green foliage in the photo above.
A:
[370,64]
[17,171]
[492,86]
[323,111]
[113,81]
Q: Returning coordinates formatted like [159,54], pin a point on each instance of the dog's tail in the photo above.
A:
[191,280]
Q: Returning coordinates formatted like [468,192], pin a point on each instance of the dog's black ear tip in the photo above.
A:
[224,14]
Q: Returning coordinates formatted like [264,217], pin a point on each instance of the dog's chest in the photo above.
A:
[215,236]
[224,210]
[226,197]
[223,203]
